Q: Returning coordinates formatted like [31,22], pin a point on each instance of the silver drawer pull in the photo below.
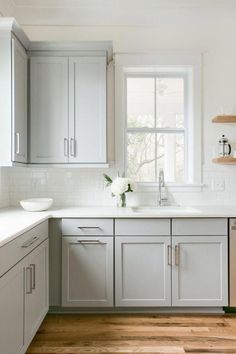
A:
[17,143]
[72,147]
[177,255]
[90,242]
[89,227]
[30,242]
[28,280]
[33,276]
[66,147]
[169,255]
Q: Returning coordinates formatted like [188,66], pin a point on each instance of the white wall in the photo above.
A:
[216,40]
[4,187]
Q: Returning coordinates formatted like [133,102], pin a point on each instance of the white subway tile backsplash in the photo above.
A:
[74,187]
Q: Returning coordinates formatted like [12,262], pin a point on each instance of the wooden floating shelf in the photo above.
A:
[225,160]
[224,119]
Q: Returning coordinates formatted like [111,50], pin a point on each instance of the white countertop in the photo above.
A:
[15,221]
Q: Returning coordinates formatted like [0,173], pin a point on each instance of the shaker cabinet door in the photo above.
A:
[199,274]
[87,110]
[49,110]
[36,290]
[87,271]
[12,311]
[143,271]
[19,102]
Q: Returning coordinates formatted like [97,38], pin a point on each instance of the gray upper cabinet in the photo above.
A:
[19,102]
[48,110]
[13,96]
[68,109]
[87,113]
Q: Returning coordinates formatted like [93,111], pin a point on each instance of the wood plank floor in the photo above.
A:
[164,334]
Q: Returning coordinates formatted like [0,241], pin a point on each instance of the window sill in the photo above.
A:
[153,187]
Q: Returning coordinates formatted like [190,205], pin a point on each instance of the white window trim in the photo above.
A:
[139,62]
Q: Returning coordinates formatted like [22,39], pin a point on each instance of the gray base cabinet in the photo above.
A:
[199,273]
[157,262]
[87,271]
[143,271]
[36,294]
[23,290]
[12,311]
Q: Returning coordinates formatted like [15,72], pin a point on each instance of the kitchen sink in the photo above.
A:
[172,209]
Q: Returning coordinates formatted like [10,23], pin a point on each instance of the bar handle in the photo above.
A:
[169,255]
[33,276]
[72,147]
[66,147]
[30,242]
[89,227]
[89,242]
[17,143]
[28,277]
[177,255]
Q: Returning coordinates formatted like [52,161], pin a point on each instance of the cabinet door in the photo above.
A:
[49,110]
[36,290]
[87,112]
[12,311]
[87,271]
[19,102]
[199,274]
[143,271]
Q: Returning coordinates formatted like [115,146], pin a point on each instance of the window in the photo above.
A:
[158,119]
[155,127]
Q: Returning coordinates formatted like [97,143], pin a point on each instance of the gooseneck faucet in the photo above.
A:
[161,185]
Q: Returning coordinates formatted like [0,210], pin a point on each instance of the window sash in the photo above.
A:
[155,130]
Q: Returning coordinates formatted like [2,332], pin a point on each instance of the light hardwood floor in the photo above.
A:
[165,334]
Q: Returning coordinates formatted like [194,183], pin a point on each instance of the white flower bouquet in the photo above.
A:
[119,186]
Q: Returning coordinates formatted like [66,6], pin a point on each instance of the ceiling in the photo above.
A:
[113,12]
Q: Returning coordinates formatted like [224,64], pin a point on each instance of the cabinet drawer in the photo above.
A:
[71,227]
[14,251]
[139,227]
[200,226]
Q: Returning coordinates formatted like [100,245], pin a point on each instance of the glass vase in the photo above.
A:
[121,201]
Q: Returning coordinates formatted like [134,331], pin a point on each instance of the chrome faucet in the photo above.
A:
[161,185]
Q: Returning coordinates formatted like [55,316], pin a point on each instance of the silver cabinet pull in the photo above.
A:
[28,277]
[72,147]
[30,242]
[89,227]
[90,242]
[66,147]
[177,255]
[33,276]
[17,143]
[169,251]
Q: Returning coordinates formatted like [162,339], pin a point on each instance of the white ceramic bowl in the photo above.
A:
[36,204]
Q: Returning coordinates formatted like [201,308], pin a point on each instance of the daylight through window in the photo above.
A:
[156,127]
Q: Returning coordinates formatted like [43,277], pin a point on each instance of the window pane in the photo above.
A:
[170,156]
[140,102]
[170,102]
[141,156]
